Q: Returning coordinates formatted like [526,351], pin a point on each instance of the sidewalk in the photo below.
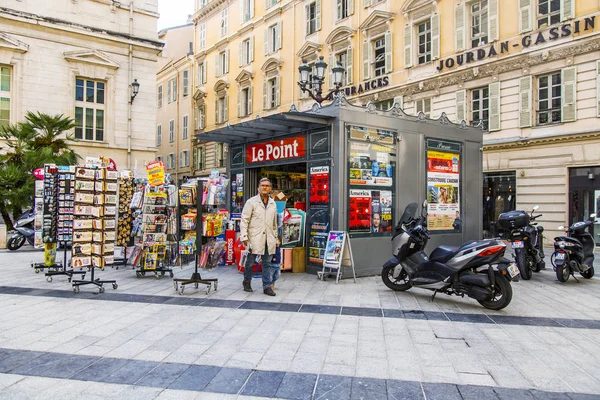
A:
[362,339]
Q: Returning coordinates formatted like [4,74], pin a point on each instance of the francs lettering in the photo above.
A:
[525,42]
[368,85]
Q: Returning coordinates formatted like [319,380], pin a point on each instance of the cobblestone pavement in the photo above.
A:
[314,339]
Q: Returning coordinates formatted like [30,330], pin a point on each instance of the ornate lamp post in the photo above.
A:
[315,88]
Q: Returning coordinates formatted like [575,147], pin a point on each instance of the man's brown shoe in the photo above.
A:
[269,292]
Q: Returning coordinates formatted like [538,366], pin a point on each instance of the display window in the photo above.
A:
[237,192]
[499,195]
[444,212]
[371,166]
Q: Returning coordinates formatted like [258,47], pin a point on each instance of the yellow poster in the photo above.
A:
[156,173]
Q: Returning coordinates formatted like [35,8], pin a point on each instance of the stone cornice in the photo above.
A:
[517,143]
[207,10]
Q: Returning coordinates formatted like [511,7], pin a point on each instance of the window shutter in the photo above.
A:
[265,92]
[225,108]
[569,94]
[461,105]
[459,26]
[266,41]
[217,67]
[339,9]
[349,66]
[388,52]
[174,88]
[203,117]
[567,9]
[318,15]
[277,92]
[492,20]
[278,36]
[251,49]
[366,3]
[524,16]
[226,69]
[525,94]
[400,101]
[331,65]
[598,88]
[204,72]
[350,7]
[307,12]
[195,158]
[251,11]
[366,61]
[239,102]
[241,57]
[242,11]
[217,111]
[494,116]
[250,100]
[267,4]
[169,91]
[435,36]
[408,46]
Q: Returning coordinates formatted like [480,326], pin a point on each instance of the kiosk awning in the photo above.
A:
[266,128]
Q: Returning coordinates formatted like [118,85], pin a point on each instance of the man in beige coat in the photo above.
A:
[258,232]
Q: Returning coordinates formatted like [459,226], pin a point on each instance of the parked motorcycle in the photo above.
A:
[526,238]
[24,231]
[575,252]
[476,269]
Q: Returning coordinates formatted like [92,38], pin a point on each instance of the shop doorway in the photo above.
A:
[584,196]
[288,179]
[499,195]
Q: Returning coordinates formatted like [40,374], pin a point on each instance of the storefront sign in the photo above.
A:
[275,150]
[368,85]
[524,42]
[443,188]
[39,173]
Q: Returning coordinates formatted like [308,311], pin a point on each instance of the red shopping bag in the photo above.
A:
[239,251]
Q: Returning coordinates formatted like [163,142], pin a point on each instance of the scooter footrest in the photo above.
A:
[423,281]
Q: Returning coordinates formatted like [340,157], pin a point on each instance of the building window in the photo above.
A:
[424,106]
[548,13]
[245,101]
[159,158]
[271,93]
[221,110]
[480,106]
[171,161]
[273,39]
[160,95]
[345,60]
[202,36]
[224,22]
[342,9]
[200,117]
[313,17]
[424,49]
[171,131]
[185,127]
[159,135]
[201,74]
[247,10]
[384,105]
[5,90]
[186,82]
[379,46]
[246,50]
[89,109]
[220,155]
[184,159]
[172,90]
[222,63]
[270,3]
[200,158]
[549,99]
[479,23]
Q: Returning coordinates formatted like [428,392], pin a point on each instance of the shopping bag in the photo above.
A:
[242,260]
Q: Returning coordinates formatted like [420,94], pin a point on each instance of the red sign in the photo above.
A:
[282,149]
[39,173]
[229,243]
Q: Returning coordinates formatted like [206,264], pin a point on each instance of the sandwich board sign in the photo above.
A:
[338,254]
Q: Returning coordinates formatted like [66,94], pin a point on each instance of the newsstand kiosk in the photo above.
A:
[354,169]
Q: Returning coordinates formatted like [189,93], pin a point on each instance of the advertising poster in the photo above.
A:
[292,234]
[334,250]
[319,185]
[360,211]
[370,164]
[156,173]
[237,193]
[319,227]
[381,210]
[443,183]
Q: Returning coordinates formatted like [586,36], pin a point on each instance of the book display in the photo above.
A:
[94,222]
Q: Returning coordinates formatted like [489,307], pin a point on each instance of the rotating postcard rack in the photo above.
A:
[94,223]
[207,196]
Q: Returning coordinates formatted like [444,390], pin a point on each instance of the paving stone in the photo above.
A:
[513,394]
[163,375]
[333,387]
[263,383]
[469,392]
[441,391]
[368,389]
[196,377]
[228,380]
[297,386]
[404,390]
[131,372]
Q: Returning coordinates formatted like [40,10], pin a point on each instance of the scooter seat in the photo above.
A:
[443,253]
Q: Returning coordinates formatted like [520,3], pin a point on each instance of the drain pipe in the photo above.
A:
[130,105]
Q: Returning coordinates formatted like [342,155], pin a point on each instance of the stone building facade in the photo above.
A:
[79,58]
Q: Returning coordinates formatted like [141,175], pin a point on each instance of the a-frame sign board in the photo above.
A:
[338,254]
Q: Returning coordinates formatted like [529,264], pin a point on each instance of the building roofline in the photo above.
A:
[165,30]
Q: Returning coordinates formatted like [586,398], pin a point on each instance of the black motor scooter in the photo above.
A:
[24,231]
[476,269]
[526,238]
[575,252]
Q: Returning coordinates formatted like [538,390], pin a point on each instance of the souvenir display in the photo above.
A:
[66,193]
[50,207]
[125,212]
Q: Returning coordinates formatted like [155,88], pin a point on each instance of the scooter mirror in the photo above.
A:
[536,207]
[593,216]
[561,228]
[425,203]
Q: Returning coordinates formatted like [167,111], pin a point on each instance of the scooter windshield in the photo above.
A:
[409,212]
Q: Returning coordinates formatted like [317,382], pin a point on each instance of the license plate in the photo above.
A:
[560,256]
[517,245]
[513,270]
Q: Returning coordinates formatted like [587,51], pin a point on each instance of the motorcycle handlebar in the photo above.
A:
[536,216]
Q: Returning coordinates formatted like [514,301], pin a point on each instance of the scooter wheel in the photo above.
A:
[399,284]
[563,272]
[15,243]
[502,294]
[588,274]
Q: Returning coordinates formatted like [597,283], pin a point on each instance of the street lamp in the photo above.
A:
[135,88]
[314,88]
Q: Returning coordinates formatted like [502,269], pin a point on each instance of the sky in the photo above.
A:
[174,12]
